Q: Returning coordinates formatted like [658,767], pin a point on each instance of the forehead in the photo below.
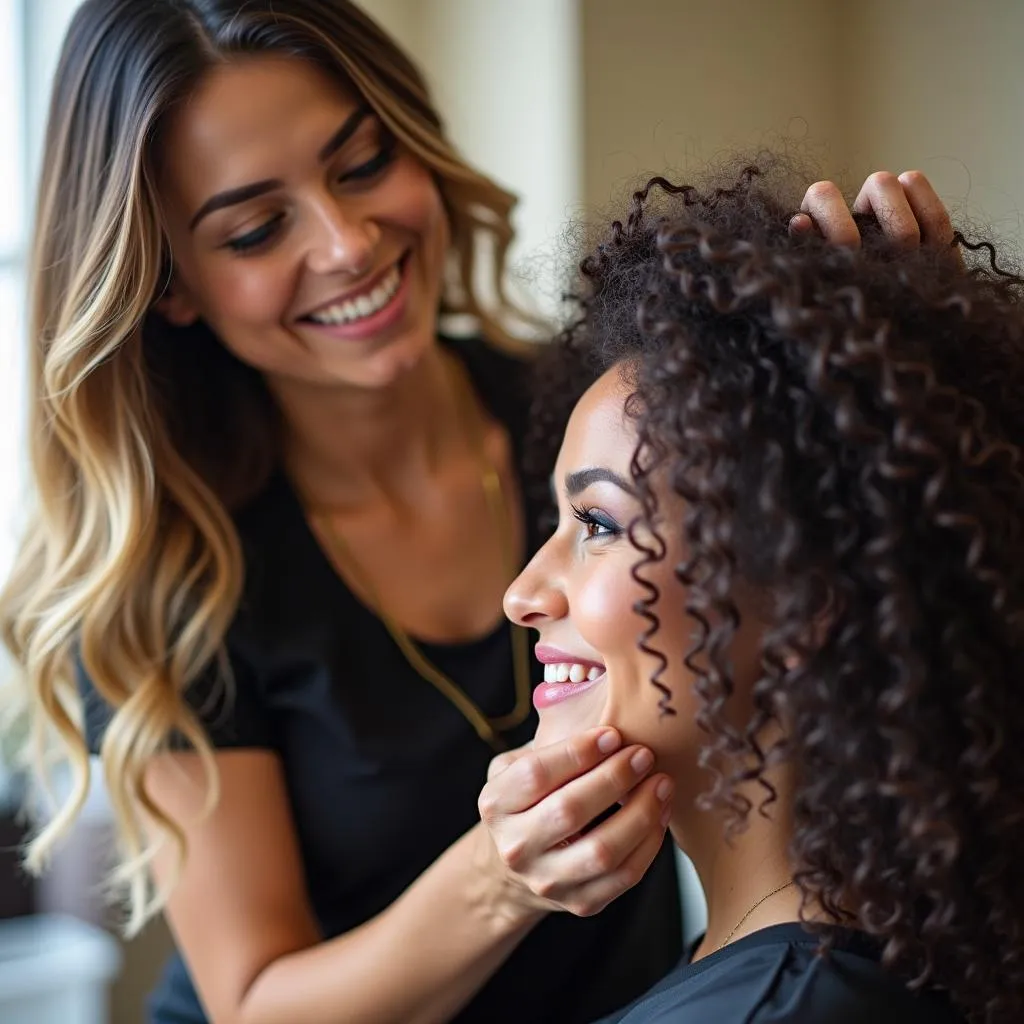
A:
[246,119]
[599,432]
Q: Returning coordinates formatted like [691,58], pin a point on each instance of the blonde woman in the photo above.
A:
[276,517]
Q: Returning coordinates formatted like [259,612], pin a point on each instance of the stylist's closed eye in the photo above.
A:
[364,174]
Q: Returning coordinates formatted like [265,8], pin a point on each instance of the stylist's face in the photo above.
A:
[301,232]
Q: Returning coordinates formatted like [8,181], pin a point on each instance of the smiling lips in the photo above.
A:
[350,310]
[564,677]
[374,309]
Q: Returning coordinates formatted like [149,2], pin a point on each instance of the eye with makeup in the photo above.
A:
[364,173]
[597,524]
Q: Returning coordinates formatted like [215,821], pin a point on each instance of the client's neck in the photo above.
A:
[747,880]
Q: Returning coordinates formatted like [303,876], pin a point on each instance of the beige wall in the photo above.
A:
[670,84]
[939,84]
[894,84]
[506,77]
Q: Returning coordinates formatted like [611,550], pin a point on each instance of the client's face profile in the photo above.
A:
[579,593]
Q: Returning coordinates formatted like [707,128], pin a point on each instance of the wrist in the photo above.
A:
[506,903]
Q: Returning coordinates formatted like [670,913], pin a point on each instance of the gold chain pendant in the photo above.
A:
[488,729]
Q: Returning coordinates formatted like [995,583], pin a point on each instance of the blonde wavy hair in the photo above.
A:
[132,564]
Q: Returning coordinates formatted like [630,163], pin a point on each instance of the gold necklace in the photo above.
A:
[487,729]
[752,909]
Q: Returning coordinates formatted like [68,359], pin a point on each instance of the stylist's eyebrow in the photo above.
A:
[577,482]
[242,194]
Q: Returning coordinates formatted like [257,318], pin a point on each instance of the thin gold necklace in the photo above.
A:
[487,729]
[763,899]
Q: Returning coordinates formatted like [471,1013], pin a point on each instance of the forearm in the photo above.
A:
[418,962]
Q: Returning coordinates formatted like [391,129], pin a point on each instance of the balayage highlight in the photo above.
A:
[845,428]
[144,438]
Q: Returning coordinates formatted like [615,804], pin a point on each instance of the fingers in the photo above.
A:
[504,760]
[929,210]
[525,777]
[826,209]
[587,875]
[883,195]
[522,839]
[801,224]
[907,208]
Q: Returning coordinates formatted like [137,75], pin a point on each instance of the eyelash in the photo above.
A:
[260,236]
[594,520]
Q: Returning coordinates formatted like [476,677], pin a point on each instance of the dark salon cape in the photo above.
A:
[775,976]
[383,774]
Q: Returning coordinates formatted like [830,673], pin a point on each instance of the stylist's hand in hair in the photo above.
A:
[538,802]
[906,207]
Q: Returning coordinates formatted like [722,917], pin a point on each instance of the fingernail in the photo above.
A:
[663,790]
[608,741]
[642,761]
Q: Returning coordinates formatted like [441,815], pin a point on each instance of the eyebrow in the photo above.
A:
[242,194]
[578,481]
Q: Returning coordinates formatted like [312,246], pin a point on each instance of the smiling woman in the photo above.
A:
[277,513]
[344,234]
[790,498]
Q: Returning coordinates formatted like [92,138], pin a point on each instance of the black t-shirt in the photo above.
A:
[775,976]
[383,773]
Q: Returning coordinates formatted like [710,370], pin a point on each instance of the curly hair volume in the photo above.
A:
[845,427]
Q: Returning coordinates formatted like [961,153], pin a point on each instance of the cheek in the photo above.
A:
[234,294]
[411,200]
[603,611]
[632,699]
[256,291]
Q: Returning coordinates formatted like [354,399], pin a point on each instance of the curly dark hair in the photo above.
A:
[845,427]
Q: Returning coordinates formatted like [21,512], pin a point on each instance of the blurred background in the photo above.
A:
[568,103]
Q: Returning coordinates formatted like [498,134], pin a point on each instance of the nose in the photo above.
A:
[537,595]
[343,241]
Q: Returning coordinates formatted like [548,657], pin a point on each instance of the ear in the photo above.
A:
[176,304]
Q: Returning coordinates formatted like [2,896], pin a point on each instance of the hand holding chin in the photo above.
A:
[536,808]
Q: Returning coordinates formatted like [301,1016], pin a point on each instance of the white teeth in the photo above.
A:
[364,305]
[571,672]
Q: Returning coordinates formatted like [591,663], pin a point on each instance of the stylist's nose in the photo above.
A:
[536,597]
[343,242]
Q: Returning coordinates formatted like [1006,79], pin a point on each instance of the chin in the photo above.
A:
[586,710]
[387,366]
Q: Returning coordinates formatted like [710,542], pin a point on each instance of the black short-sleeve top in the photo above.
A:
[382,772]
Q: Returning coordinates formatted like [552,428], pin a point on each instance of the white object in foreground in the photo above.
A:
[55,970]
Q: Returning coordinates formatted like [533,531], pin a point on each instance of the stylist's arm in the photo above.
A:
[241,910]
